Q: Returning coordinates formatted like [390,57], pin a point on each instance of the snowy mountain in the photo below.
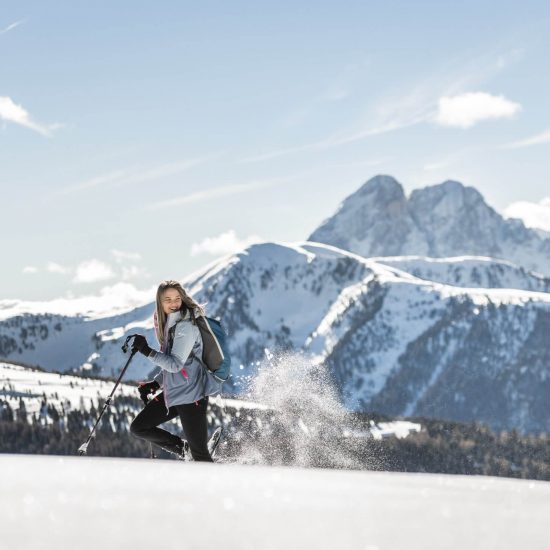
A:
[469,272]
[439,221]
[394,343]
[65,342]
[429,335]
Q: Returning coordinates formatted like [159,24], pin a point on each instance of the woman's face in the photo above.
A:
[171,300]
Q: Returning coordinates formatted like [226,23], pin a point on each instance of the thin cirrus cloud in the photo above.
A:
[214,193]
[336,140]
[225,243]
[12,112]
[136,175]
[466,110]
[538,139]
[11,26]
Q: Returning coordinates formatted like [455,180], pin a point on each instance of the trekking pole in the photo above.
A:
[84,447]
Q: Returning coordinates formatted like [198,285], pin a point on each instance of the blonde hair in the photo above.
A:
[188,304]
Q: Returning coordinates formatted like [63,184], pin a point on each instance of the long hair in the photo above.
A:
[187,304]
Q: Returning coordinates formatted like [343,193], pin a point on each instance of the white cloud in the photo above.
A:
[11,112]
[543,137]
[466,110]
[122,256]
[91,271]
[534,215]
[225,243]
[214,193]
[53,267]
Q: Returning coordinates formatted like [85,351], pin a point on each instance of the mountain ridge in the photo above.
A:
[443,220]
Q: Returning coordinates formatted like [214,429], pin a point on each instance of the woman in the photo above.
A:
[186,383]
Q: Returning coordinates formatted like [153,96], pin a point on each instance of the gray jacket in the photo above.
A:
[184,378]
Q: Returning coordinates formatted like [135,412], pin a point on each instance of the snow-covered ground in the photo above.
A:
[93,503]
[73,392]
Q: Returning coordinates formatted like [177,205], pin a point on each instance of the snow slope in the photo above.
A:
[60,390]
[89,503]
[469,272]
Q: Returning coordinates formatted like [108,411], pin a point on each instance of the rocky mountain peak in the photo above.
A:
[450,195]
[381,185]
[447,219]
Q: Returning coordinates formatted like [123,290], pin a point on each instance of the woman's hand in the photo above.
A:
[145,388]
[140,344]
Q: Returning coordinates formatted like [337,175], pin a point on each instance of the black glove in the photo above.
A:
[140,344]
[145,388]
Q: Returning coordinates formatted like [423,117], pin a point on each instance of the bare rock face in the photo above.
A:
[443,220]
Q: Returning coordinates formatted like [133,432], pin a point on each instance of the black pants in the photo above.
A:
[193,421]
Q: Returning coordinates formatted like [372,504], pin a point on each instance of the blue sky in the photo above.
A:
[141,140]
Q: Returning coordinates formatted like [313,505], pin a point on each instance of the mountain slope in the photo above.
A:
[394,343]
[469,272]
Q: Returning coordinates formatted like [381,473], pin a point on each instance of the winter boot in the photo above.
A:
[180,450]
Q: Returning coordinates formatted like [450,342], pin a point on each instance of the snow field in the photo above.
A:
[89,503]
[72,392]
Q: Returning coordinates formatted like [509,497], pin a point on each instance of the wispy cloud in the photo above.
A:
[11,26]
[121,256]
[11,112]
[214,193]
[397,110]
[466,110]
[342,138]
[131,271]
[543,137]
[93,270]
[456,157]
[53,267]
[435,166]
[225,243]
[340,88]
[132,176]
[361,163]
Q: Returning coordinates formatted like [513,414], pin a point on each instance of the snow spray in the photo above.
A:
[302,421]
